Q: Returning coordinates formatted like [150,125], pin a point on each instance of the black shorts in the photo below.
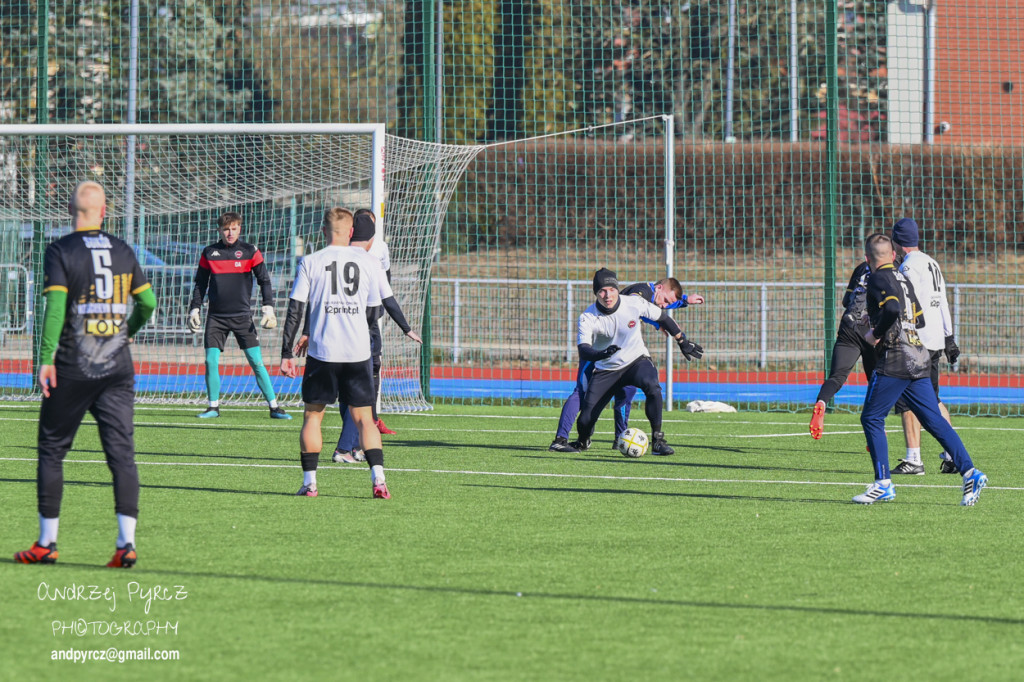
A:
[111,401]
[325,382]
[902,406]
[218,328]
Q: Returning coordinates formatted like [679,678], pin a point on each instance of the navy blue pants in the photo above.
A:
[883,392]
[571,408]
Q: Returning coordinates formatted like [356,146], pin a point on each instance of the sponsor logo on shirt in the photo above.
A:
[100,308]
[237,264]
[632,323]
[215,253]
[341,309]
[102,327]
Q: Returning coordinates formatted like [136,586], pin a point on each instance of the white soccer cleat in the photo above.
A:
[972,487]
[877,492]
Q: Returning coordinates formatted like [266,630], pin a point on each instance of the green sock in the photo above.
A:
[255,357]
[212,375]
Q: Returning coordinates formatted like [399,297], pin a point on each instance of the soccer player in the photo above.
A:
[85,366]
[227,269]
[363,236]
[379,248]
[936,335]
[849,346]
[667,294]
[902,369]
[608,333]
[339,282]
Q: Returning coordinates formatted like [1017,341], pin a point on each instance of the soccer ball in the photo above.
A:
[633,443]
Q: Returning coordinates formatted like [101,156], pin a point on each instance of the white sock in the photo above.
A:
[47,530]
[273,404]
[946,457]
[969,472]
[377,474]
[914,455]
[214,403]
[884,481]
[125,530]
[309,478]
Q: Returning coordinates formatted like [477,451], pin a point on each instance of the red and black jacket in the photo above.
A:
[228,272]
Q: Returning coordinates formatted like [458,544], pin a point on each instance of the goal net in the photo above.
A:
[167,185]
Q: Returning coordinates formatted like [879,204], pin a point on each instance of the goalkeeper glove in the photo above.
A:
[952,351]
[194,323]
[609,351]
[689,349]
[269,319]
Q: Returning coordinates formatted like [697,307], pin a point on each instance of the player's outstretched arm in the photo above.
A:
[395,313]
[291,327]
[202,282]
[53,324]
[145,306]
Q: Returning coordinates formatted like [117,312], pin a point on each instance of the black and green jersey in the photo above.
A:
[100,274]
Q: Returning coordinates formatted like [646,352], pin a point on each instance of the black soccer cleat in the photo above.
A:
[948,467]
[279,413]
[659,446]
[560,444]
[580,445]
[908,468]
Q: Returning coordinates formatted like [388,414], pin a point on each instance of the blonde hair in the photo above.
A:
[88,201]
[337,225]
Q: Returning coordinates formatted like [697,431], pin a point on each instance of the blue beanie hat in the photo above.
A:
[904,232]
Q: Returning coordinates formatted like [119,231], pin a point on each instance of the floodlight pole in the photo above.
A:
[133,98]
[794,75]
[670,235]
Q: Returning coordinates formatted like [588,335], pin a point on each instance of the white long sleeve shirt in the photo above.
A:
[620,328]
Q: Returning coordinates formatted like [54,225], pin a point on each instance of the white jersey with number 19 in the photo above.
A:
[338,283]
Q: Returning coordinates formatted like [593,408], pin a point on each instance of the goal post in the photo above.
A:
[280,177]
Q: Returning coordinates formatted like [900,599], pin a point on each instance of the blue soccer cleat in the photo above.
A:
[209,413]
[278,413]
[972,487]
[877,492]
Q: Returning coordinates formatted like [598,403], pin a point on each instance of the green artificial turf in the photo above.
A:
[740,557]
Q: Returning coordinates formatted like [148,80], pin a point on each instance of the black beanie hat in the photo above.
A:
[904,232]
[363,229]
[605,278]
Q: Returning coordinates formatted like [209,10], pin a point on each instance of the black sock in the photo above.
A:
[374,457]
[309,460]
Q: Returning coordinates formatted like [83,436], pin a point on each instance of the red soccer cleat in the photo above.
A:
[383,428]
[380,492]
[124,557]
[38,554]
[307,491]
[818,420]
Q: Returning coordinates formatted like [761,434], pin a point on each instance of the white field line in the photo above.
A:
[512,474]
[208,425]
[433,415]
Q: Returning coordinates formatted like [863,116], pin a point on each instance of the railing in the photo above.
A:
[761,313]
[15,297]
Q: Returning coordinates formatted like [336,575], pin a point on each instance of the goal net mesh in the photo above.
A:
[280,184]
